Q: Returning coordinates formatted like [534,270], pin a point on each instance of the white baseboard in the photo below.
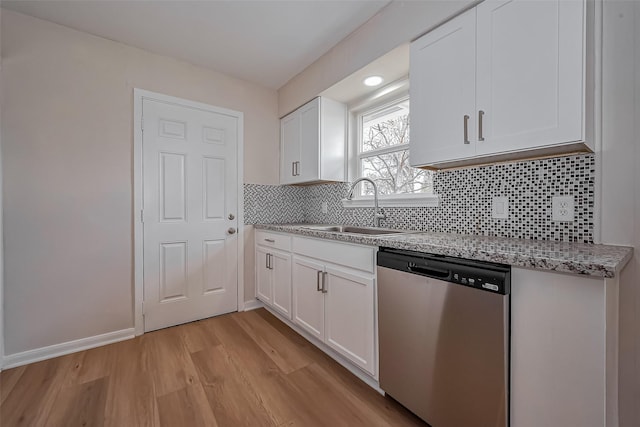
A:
[252,305]
[38,354]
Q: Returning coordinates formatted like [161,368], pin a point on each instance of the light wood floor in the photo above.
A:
[242,369]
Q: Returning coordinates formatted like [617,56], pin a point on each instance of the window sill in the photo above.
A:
[402,201]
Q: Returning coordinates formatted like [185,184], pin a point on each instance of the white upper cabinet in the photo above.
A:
[443,82]
[289,147]
[504,80]
[312,143]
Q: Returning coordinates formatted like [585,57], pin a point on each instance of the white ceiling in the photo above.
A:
[263,41]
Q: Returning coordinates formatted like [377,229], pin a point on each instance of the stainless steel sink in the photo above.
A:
[353,229]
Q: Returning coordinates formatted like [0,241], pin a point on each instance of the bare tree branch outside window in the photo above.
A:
[382,130]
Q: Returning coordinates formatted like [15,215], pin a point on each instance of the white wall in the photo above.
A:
[67,134]
[620,211]
[1,232]
[396,24]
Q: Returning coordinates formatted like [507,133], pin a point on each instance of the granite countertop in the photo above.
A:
[564,257]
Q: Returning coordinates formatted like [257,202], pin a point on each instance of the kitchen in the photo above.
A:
[63,77]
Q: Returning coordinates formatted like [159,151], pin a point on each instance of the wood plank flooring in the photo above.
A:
[241,369]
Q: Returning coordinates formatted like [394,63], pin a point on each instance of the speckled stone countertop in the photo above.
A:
[564,257]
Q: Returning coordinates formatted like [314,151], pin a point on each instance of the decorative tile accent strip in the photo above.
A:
[465,201]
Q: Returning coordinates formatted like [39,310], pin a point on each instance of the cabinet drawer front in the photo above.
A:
[273,240]
[349,255]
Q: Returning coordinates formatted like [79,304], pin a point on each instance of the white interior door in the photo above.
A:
[190,262]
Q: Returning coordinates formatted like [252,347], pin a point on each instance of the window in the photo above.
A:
[383,151]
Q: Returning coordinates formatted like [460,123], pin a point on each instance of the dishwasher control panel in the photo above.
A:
[490,284]
[482,275]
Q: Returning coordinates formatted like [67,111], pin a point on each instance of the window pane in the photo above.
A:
[386,127]
[393,175]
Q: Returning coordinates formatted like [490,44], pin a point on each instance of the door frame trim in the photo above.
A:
[138,276]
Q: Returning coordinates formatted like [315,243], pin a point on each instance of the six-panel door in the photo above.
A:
[190,206]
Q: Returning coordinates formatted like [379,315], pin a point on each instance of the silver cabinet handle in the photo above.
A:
[266,261]
[269,240]
[293,168]
[270,261]
[318,287]
[480,116]
[231,230]
[324,283]
[297,168]
[466,129]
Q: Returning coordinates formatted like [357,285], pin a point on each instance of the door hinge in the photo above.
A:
[142,215]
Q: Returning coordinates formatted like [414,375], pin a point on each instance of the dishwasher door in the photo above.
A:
[444,349]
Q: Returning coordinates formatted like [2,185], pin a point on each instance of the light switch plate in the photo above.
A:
[563,208]
[500,208]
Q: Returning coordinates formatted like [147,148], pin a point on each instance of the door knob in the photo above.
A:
[231,230]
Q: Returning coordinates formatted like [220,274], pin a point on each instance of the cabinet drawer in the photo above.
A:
[273,240]
[340,253]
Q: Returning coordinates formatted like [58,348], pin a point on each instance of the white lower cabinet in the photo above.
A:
[349,316]
[264,277]
[327,289]
[273,271]
[335,303]
[308,299]
[564,350]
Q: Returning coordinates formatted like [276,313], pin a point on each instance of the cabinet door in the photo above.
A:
[263,275]
[443,92]
[350,316]
[530,73]
[281,263]
[289,148]
[308,301]
[309,169]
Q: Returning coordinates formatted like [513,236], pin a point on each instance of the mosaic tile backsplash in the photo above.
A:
[465,201]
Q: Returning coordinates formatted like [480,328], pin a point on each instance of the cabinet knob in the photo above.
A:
[231,230]
[231,216]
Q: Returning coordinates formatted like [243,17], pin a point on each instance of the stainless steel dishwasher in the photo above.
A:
[444,337]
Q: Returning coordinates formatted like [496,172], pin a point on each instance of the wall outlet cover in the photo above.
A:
[325,207]
[500,208]
[563,208]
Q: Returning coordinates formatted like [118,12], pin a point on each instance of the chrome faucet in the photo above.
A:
[378,214]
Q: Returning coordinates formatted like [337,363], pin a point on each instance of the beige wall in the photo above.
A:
[67,105]
[620,208]
[398,23]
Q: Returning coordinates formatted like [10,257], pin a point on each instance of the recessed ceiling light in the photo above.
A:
[373,81]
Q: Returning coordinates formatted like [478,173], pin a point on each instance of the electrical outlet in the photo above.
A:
[325,208]
[500,208]
[563,208]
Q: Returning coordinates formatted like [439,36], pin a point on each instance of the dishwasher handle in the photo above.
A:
[428,271]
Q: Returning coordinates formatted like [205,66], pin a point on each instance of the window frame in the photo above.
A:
[379,100]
